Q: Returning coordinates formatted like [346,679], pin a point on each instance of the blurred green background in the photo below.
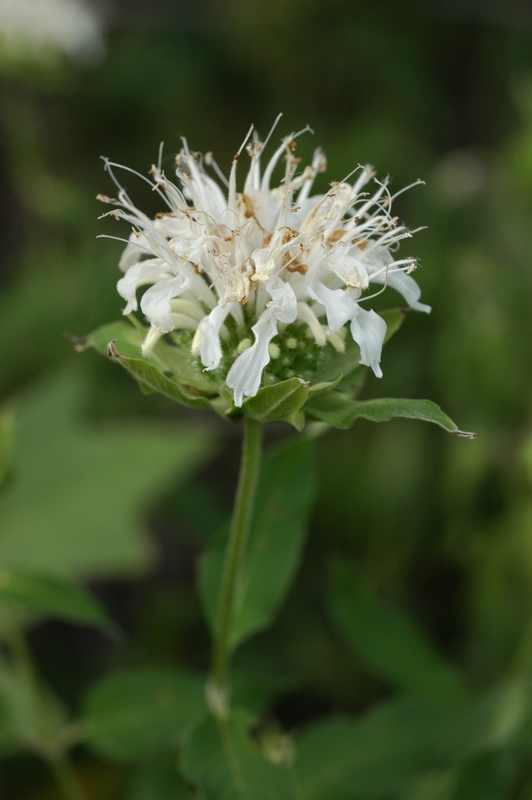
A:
[436,528]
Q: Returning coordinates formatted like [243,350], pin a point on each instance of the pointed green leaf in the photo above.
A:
[220,758]
[139,711]
[387,641]
[282,401]
[284,496]
[54,597]
[338,410]
[388,750]
[152,380]
[76,502]
[128,337]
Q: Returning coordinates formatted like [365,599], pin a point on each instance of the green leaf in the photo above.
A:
[54,597]
[139,711]
[151,380]
[282,401]
[6,443]
[394,318]
[286,488]
[388,642]
[388,750]
[128,338]
[220,759]
[17,723]
[28,721]
[339,410]
[76,502]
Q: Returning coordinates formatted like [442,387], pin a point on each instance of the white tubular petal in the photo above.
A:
[284,301]
[306,314]
[210,349]
[368,330]
[137,248]
[245,375]
[406,286]
[152,337]
[155,303]
[137,274]
[339,306]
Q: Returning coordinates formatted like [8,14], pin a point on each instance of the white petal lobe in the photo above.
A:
[368,330]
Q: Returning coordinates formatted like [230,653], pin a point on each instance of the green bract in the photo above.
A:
[327,395]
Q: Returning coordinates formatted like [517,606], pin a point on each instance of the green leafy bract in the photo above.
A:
[173,372]
[339,410]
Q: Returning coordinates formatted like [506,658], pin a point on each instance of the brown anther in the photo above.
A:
[297,266]
[335,236]
[245,206]
[103,198]
[197,269]
[153,170]
[358,220]
[289,234]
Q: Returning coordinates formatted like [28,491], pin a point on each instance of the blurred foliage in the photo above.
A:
[402,656]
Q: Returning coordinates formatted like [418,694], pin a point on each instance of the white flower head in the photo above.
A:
[229,271]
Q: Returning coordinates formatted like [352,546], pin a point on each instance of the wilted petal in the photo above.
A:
[339,306]
[155,302]
[245,375]
[368,330]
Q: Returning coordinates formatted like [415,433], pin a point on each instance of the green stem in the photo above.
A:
[218,687]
